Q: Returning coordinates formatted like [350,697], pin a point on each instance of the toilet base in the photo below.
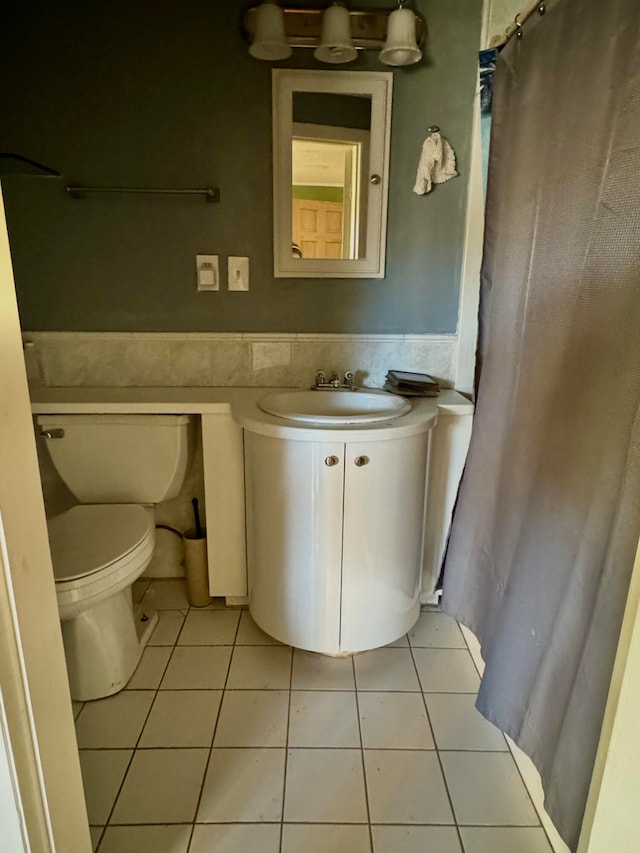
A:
[103,645]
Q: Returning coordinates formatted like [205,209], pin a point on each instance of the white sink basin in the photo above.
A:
[334,407]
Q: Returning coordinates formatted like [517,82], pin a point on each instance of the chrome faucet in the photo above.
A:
[334,383]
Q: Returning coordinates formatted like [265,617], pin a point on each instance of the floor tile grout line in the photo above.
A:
[529,797]
[106,824]
[137,747]
[225,646]
[184,622]
[364,766]
[282,821]
[439,760]
[463,846]
[420,749]
[286,751]
[234,641]
[100,837]
[326,823]
[295,748]
[305,747]
[438,611]
[213,738]
[304,689]
[133,752]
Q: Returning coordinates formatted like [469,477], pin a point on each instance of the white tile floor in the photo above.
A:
[226,741]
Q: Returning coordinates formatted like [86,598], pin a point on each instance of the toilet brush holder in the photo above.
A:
[195,564]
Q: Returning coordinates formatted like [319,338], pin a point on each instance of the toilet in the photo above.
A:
[118,467]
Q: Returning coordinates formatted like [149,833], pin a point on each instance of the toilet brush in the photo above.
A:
[196,515]
[195,562]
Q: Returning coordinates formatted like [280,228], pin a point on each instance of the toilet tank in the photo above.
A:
[119,458]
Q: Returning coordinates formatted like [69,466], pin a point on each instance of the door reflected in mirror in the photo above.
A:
[329,171]
[331,156]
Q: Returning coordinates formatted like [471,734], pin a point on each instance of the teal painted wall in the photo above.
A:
[161,93]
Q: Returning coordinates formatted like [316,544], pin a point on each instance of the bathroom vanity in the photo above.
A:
[335,521]
[392,482]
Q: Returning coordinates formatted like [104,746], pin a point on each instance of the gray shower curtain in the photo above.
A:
[548,515]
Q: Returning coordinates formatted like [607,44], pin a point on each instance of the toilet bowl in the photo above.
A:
[98,551]
[118,467]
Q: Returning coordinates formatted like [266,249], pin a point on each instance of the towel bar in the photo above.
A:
[210,193]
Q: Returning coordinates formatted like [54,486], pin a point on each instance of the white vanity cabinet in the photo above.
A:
[334,538]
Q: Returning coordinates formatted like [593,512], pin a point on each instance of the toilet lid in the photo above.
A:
[86,538]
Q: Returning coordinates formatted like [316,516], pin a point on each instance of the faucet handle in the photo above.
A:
[321,377]
[348,378]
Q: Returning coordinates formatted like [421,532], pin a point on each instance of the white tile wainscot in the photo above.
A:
[224,463]
[216,359]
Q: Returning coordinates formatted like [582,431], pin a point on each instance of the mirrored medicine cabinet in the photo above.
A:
[331,134]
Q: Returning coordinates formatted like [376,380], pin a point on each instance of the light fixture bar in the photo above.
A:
[368,27]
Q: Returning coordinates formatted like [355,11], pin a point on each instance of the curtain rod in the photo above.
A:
[516,27]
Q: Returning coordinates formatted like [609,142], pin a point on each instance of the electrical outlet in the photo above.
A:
[207,272]
[238,274]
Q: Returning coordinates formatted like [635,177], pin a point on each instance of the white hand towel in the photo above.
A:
[437,163]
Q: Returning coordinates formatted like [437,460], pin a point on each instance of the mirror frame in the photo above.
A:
[377,84]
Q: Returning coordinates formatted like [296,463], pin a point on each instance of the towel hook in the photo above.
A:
[433,129]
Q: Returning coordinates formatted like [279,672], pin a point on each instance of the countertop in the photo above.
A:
[241,403]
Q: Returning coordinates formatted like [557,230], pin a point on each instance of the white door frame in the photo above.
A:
[611,818]
[13,830]
[48,785]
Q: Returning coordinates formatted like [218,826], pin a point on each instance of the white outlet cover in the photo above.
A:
[207,272]
[238,273]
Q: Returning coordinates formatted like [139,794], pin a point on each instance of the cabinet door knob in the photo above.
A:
[375,179]
[330,461]
[361,460]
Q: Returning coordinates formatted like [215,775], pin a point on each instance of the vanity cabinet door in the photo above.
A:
[294,520]
[382,547]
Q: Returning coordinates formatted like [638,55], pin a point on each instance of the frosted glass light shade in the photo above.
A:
[270,42]
[336,45]
[401,47]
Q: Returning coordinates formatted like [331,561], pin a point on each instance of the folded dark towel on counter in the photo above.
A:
[409,384]
[408,391]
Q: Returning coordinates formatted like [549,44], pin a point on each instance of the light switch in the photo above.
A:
[207,272]
[238,274]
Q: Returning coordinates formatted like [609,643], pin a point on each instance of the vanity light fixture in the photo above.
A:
[336,33]
[336,44]
[269,40]
[401,47]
